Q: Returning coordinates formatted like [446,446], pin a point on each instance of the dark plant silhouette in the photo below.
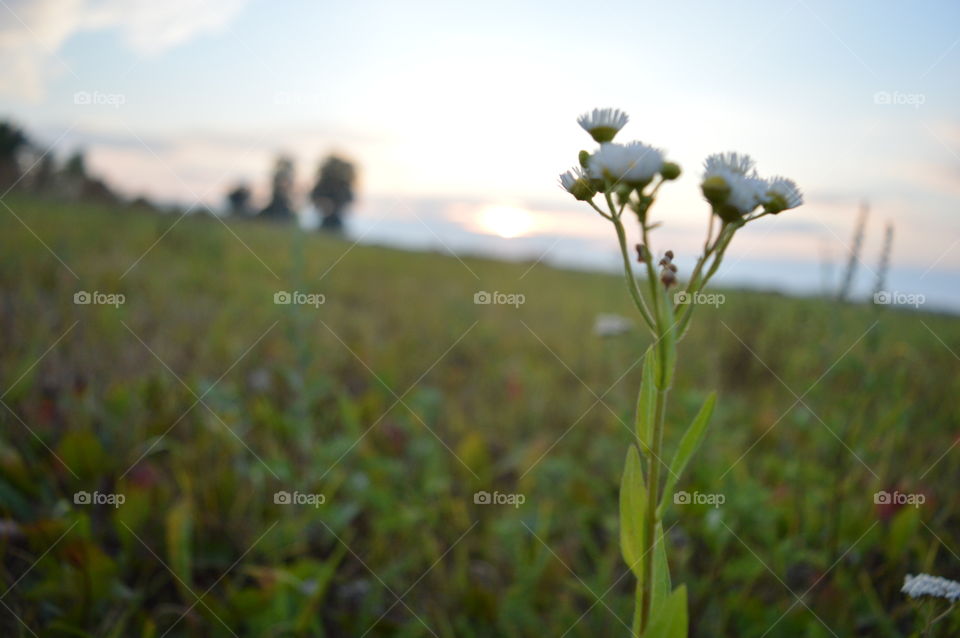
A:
[843,293]
[333,191]
[12,141]
[238,200]
[281,201]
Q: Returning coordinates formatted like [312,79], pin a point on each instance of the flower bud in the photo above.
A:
[583,190]
[584,159]
[670,171]
[715,190]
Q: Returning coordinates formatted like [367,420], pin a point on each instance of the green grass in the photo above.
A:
[398,399]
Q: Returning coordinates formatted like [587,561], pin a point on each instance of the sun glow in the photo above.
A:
[506,221]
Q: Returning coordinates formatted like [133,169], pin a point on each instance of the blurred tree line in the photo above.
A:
[332,193]
[27,166]
[24,165]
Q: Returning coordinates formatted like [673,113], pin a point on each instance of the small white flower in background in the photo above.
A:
[611,325]
[603,124]
[927,585]
[634,163]
[782,194]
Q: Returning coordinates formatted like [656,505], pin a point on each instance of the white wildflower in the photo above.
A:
[576,183]
[731,161]
[927,585]
[782,194]
[603,124]
[569,178]
[732,185]
[634,163]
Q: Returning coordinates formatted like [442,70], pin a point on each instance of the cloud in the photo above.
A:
[32,32]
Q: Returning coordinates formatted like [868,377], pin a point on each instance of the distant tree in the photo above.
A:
[238,200]
[281,201]
[333,191]
[76,165]
[44,174]
[12,141]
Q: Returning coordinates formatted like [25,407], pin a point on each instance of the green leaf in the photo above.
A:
[688,445]
[633,499]
[646,402]
[670,621]
[661,573]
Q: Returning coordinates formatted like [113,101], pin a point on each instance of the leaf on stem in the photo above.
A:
[646,404]
[670,621]
[661,573]
[633,499]
[688,445]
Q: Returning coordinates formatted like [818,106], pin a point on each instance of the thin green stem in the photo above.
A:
[698,282]
[597,208]
[656,444]
[631,280]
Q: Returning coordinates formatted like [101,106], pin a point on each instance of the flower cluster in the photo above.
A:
[730,181]
[934,586]
[623,169]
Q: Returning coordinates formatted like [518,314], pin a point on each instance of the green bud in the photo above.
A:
[776,204]
[583,190]
[670,171]
[584,159]
[603,134]
[716,190]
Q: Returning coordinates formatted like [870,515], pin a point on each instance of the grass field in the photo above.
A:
[198,399]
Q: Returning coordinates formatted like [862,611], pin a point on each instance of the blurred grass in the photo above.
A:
[398,399]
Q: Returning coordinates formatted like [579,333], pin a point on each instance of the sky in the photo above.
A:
[461,115]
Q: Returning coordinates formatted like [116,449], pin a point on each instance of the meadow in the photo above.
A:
[381,413]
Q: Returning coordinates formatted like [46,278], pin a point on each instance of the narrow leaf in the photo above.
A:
[646,402]
[688,445]
[633,498]
[661,572]
[670,621]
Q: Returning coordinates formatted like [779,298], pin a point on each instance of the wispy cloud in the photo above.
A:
[33,32]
